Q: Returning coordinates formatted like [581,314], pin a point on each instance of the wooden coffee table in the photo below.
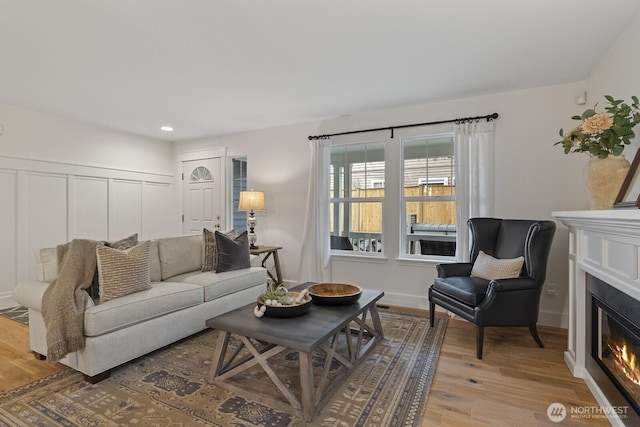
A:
[356,326]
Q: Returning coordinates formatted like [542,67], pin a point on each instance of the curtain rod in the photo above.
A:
[489,117]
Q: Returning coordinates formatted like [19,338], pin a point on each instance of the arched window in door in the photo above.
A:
[201,174]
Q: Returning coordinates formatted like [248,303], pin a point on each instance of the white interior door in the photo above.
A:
[203,198]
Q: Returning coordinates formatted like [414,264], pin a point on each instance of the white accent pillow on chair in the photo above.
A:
[490,268]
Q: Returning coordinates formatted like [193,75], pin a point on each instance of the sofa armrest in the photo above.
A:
[255,261]
[29,294]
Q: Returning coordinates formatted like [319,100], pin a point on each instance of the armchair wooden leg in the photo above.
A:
[432,313]
[534,332]
[479,341]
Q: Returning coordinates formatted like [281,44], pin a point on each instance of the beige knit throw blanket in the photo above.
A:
[64,300]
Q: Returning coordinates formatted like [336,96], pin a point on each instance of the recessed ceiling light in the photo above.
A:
[167,128]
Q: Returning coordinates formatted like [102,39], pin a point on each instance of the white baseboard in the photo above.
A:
[7,302]
[558,320]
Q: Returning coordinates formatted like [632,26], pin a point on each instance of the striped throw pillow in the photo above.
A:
[210,248]
[123,272]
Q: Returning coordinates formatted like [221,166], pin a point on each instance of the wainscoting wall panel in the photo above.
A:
[45,213]
[125,208]
[8,266]
[155,197]
[90,207]
[48,203]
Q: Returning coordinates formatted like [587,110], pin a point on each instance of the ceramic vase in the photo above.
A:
[603,179]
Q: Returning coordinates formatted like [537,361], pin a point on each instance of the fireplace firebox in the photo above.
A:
[614,346]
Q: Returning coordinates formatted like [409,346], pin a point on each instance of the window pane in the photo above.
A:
[357,172]
[358,167]
[429,192]
[360,222]
[430,237]
[239,180]
[429,162]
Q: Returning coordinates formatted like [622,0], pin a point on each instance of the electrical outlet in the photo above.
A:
[551,289]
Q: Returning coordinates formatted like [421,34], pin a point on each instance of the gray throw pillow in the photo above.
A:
[209,250]
[122,244]
[233,254]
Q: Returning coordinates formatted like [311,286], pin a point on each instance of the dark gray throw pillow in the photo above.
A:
[233,254]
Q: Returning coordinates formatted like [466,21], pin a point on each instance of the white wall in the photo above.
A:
[532,176]
[56,173]
[532,179]
[278,164]
[616,74]
[62,179]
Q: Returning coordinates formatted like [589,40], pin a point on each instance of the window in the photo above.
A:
[357,177]
[201,174]
[429,196]
[415,178]
[239,183]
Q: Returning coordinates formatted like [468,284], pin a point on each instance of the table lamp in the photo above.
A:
[250,201]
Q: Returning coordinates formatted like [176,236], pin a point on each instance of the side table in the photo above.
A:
[270,251]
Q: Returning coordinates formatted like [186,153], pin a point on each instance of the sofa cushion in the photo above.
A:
[209,248]
[155,272]
[217,285]
[180,255]
[122,272]
[469,290]
[162,298]
[47,264]
[47,261]
[233,254]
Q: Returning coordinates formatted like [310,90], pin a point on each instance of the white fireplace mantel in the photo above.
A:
[606,245]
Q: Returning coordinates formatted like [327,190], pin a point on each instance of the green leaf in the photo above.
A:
[634,99]
[576,118]
[562,133]
[617,150]
[609,98]
[588,113]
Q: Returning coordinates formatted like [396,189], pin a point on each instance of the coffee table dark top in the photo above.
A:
[302,333]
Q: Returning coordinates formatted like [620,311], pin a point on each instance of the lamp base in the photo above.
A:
[252,238]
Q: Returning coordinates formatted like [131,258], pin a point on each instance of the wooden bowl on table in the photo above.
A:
[334,293]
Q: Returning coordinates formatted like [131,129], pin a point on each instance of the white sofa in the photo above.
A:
[179,302]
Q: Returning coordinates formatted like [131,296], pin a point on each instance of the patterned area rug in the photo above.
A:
[19,314]
[168,387]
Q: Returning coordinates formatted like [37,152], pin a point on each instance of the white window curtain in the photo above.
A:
[473,143]
[315,260]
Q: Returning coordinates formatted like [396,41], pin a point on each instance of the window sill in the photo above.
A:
[365,257]
[425,260]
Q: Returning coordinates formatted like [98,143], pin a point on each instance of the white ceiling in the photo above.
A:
[210,67]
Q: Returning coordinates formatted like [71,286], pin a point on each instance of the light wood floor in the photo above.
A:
[511,386]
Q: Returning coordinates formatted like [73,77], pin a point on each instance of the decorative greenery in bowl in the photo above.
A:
[603,134]
[280,302]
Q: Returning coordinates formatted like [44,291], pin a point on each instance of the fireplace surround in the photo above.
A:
[604,306]
[613,342]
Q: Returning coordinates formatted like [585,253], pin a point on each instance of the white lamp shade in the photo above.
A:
[251,200]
